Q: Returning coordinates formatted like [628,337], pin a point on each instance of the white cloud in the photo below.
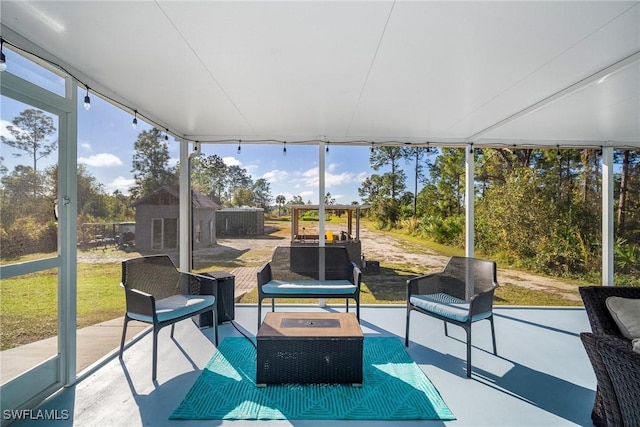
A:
[251,169]
[306,194]
[85,146]
[173,161]
[276,175]
[231,161]
[120,183]
[102,160]
[310,177]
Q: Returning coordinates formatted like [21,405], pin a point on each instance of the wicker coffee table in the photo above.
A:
[309,348]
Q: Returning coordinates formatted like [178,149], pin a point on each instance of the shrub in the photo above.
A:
[27,236]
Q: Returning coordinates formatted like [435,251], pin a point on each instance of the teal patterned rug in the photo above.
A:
[394,388]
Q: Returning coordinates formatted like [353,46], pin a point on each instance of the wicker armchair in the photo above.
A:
[461,294]
[606,408]
[623,366]
[157,293]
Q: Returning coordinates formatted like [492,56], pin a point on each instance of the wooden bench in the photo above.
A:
[293,272]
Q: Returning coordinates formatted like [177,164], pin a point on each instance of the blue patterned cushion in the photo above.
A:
[446,306]
[177,306]
[329,287]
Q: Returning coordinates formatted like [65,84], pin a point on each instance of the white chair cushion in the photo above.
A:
[446,306]
[177,306]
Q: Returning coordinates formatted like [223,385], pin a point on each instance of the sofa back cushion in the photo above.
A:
[626,314]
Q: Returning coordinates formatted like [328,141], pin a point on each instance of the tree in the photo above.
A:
[297,200]
[328,200]
[208,175]
[262,193]
[3,169]
[92,199]
[236,178]
[447,179]
[119,207]
[30,131]
[243,197]
[280,201]
[18,199]
[389,156]
[151,164]
[416,155]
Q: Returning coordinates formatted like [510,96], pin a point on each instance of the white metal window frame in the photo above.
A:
[34,385]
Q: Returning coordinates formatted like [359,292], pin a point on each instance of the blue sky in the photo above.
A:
[106,138]
[105,147]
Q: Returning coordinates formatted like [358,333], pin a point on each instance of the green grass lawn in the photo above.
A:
[28,304]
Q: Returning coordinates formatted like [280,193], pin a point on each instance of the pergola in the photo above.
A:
[558,74]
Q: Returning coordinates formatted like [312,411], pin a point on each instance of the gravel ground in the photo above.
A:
[375,246]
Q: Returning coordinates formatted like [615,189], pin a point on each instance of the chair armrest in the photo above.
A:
[357,275]
[482,302]
[264,274]
[139,302]
[426,284]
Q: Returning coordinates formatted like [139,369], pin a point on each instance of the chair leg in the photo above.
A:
[155,353]
[446,331]
[215,325]
[493,336]
[358,310]
[124,334]
[273,304]
[406,333]
[468,329]
[259,311]
[173,327]
[347,304]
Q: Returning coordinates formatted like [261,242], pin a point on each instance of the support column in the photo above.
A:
[469,242]
[321,225]
[607,216]
[185,208]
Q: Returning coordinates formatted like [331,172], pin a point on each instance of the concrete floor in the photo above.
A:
[96,341]
[542,376]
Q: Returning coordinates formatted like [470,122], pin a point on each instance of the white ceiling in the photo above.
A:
[409,71]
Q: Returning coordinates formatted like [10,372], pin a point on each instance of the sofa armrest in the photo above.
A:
[623,366]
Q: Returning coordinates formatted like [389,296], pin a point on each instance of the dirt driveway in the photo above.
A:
[388,251]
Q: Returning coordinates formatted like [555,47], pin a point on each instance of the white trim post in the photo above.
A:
[321,226]
[469,194]
[185,208]
[607,216]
